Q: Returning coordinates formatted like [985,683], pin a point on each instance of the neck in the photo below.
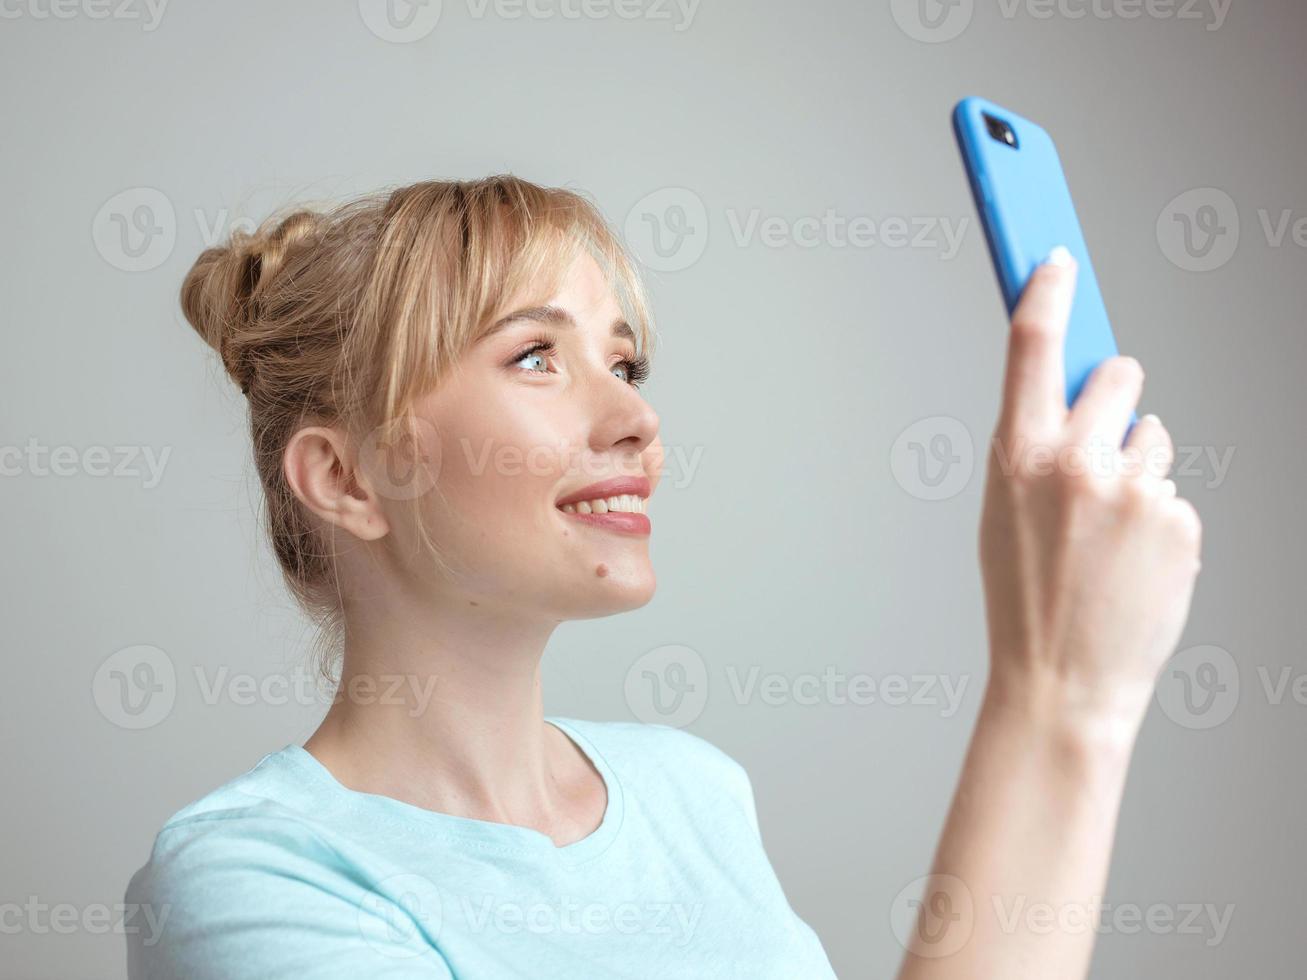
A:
[440,706]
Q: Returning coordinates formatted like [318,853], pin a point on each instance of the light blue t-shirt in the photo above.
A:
[286,873]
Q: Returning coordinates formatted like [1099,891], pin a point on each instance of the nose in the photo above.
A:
[620,417]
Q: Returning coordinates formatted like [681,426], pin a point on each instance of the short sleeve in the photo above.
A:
[240,898]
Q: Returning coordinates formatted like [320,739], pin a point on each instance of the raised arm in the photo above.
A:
[1089,562]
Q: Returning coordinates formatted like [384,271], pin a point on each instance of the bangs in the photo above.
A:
[537,252]
[478,250]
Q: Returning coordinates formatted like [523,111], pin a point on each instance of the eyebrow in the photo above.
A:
[559,317]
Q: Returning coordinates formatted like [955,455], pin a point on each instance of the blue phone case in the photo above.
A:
[1025,207]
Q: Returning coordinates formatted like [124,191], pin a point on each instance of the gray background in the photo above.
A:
[802,541]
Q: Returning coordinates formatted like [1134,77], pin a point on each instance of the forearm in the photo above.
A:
[1023,858]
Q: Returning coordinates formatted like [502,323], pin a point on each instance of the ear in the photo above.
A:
[323,474]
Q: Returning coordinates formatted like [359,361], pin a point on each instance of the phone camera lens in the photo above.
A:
[1000,130]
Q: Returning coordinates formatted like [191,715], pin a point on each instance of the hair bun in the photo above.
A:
[225,288]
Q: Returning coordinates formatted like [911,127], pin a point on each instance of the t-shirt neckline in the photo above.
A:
[509,838]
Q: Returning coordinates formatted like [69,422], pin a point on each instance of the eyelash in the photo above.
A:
[637,368]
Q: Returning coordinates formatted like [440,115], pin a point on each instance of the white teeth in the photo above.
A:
[627,503]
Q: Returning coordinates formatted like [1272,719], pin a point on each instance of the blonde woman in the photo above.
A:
[395,352]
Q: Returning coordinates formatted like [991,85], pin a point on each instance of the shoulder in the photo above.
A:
[261,819]
[272,793]
[247,881]
[660,759]
[274,783]
[654,744]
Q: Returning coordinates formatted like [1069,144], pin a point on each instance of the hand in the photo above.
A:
[1088,557]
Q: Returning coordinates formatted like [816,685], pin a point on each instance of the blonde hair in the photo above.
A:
[345,316]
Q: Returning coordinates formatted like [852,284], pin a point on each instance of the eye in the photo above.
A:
[535,358]
[632,370]
[537,354]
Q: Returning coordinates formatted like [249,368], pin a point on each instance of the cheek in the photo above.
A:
[501,463]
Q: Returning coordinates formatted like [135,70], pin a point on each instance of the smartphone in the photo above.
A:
[1025,208]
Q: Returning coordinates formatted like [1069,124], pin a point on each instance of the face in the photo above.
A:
[547,455]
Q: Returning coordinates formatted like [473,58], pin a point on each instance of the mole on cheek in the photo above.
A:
[601,570]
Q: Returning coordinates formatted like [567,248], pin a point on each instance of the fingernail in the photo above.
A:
[1151,416]
[1059,256]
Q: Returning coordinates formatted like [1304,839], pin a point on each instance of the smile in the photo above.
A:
[613,505]
[624,504]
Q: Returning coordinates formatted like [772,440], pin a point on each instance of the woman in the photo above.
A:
[443,398]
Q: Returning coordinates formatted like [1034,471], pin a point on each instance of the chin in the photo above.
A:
[615,591]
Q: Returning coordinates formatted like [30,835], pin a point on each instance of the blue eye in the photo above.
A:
[634,370]
[535,360]
[540,352]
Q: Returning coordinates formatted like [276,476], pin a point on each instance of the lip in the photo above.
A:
[616,487]
[622,523]
[636,524]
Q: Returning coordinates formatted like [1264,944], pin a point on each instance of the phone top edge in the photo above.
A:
[968,111]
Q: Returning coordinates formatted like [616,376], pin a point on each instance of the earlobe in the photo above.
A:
[322,473]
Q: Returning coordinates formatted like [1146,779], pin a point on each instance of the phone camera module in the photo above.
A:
[1000,130]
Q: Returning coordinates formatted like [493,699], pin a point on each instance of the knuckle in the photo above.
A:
[1082,489]
[1016,472]
[1155,450]
[1123,371]
[1030,331]
[1045,275]
[1136,497]
[1165,449]
[1154,432]
[1159,461]
[1024,475]
[1187,525]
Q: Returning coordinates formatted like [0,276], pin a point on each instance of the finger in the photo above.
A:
[1151,449]
[1034,387]
[1101,414]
